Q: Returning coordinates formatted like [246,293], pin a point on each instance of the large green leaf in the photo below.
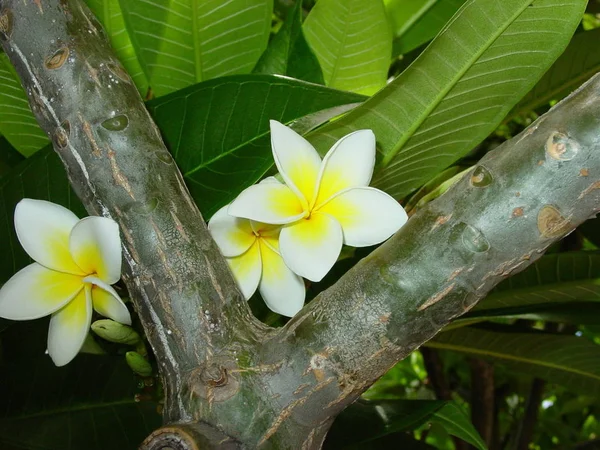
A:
[288,52]
[560,287]
[457,423]
[570,361]
[17,123]
[416,23]
[42,177]
[554,278]
[218,131]
[353,43]
[86,405]
[9,156]
[591,230]
[369,421]
[110,15]
[180,43]
[460,88]
[403,14]
[579,62]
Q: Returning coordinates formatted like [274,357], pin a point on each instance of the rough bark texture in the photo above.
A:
[230,381]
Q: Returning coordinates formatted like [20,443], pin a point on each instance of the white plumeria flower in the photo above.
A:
[322,204]
[76,263]
[252,252]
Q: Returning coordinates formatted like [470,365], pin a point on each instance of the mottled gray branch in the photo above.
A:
[230,381]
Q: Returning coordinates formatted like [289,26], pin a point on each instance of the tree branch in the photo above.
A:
[501,217]
[229,380]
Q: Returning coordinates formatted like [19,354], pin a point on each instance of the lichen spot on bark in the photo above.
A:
[118,72]
[481,177]
[518,212]
[116,123]
[551,222]
[61,134]
[473,239]
[561,147]
[6,24]
[317,365]
[57,59]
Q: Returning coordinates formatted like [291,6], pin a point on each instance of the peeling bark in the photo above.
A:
[230,381]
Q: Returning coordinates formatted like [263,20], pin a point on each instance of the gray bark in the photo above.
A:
[230,381]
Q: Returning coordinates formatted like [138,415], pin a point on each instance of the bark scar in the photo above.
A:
[436,298]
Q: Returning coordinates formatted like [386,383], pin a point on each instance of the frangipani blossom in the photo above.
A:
[252,252]
[322,204]
[76,261]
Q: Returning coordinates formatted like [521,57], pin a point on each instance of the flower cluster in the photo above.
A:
[274,233]
[76,261]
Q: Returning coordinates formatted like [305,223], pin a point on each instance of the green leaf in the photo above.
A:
[87,405]
[353,43]
[289,54]
[369,421]
[456,422]
[460,88]
[17,123]
[570,361]
[560,287]
[417,23]
[403,14]
[579,62]
[9,156]
[218,131]
[591,230]
[180,43]
[41,177]
[555,278]
[110,15]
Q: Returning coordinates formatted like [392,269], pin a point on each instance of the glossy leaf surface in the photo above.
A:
[353,43]
[17,122]
[416,23]
[570,361]
[184,42]
[460,88]
[87,405]
[288,52]
[579,62]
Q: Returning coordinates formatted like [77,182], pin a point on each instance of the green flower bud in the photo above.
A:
[116,332]
[138,364]
[91,346]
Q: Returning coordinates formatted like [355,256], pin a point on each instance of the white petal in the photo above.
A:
[298,162]
[368,216]
[233,235]
[68,328]
[311,246]
[43,230]
[36,291]
[348,164]
[96,247]
[268,203]
[270,180]
[282,290]
[246,270]
[107,302]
